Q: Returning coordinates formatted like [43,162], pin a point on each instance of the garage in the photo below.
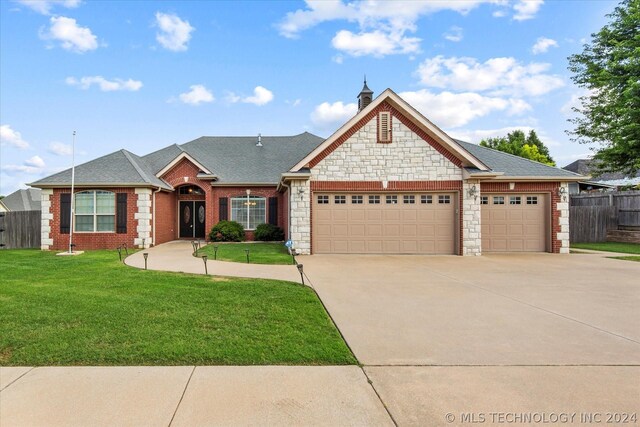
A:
[514,222]
[384,223]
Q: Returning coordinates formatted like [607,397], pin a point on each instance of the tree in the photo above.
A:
[609,69]
[516,143]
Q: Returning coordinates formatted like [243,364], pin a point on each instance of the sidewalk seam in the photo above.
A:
[393,420]
[11,383]
[182,396]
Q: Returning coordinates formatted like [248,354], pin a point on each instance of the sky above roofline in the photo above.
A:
[145,75]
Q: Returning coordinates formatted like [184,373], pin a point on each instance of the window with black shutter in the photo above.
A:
[273,210]
[224,208]
[121,213]
[65,213]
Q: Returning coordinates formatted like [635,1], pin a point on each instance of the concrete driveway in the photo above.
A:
[497,333]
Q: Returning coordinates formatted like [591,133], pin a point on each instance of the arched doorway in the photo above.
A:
[191,212]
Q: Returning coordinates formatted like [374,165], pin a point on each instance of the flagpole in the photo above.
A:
[73,181]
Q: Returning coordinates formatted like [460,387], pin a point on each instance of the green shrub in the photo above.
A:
[227,231]
[269,233]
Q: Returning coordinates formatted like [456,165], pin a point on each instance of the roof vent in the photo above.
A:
[259,144]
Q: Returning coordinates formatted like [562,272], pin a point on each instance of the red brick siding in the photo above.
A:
[394,113]
[376,186]
[90,241]
[550,188]
[166,217]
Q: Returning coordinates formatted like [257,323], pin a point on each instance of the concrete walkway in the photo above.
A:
[177,256]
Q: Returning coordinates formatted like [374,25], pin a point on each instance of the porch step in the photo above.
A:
[623,236]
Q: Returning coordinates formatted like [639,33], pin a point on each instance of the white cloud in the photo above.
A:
[71,36]
[261,96]
[12,137]
[294,103]
[174,33]
[454,34]
[376,43]
[60,149]
[338,59]
[526,9]
[542,45]
[104,84]
[33,165]
[328,116]
[44,6]
[447,109]
[498,75]
[499,14]
[197,95]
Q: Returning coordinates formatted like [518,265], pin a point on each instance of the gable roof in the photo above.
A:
[513,166]
[121,168]
[23,200]
[408,111]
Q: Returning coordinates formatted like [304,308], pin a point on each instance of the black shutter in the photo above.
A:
[223,209]
[273,210]
[121,213]
[65,213]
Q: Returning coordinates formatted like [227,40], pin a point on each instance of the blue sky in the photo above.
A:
[143,75]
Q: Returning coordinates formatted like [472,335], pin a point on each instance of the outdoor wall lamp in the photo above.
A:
[145,255]
[204,259]
[301,192]
[562,193]
[473,192]
[300,269]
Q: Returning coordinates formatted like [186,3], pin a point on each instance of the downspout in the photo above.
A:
[153,217]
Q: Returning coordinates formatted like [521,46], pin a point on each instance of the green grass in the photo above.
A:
[626,248]
[93,310]
[627,258]
[259,253]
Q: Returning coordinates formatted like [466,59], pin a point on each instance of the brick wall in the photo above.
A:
[166,217]
[89,241]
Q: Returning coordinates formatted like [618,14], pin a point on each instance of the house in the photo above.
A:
[21,200]
[388,181]
[602,182]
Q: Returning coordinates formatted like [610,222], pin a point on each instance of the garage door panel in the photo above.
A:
[383,228]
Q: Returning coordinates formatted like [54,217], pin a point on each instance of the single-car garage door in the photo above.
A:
[388,223]
[514,222]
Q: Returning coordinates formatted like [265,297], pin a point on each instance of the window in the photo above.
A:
[340,200]
[484,200]
[532,200]
[384,126]
[392,200]
[356,200]
[426,199]
[374,200]
[444,199]
[409,199]
[95,211]
[249,211]
[323,200]
[498,200]
[515,200]
[191,189]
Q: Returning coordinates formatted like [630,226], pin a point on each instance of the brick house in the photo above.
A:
[387,181]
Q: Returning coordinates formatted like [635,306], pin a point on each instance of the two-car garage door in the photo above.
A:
[398,223]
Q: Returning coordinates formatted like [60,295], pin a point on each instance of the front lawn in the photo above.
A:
[259,253]
[627,258]
[93,310]
[626,248]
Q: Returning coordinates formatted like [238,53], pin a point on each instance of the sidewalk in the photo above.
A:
[188,396]
[177,256]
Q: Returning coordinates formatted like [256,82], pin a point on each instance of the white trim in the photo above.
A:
[95,213]
[175,161]
[404,107]
[247,198]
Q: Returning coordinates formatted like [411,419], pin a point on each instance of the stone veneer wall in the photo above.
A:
[407,158]
[471,219]
[45,229]
[143,216]
[300,220]
[563,220]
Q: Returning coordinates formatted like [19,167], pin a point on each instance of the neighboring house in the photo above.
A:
[387,181]
[21,200]
[605,181]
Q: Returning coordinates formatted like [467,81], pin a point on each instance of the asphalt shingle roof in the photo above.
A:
[512,165]
[23,200]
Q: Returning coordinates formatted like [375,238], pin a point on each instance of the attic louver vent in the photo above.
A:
[384,127]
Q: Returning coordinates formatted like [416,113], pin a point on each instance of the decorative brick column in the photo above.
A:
[143,215]
[471,219]
[301,216]
[45,228]
[563,220]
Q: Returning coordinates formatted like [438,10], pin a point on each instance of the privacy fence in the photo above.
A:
[593,216]
[20,229]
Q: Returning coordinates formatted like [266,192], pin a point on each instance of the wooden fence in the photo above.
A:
[592,215]
[20,229]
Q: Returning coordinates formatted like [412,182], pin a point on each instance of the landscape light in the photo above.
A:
[120,253]
[301,272]
[215,252]
[204,259]
[145,255]
[247,252]
[195,247]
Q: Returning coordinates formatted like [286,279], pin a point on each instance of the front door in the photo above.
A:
[192,219]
